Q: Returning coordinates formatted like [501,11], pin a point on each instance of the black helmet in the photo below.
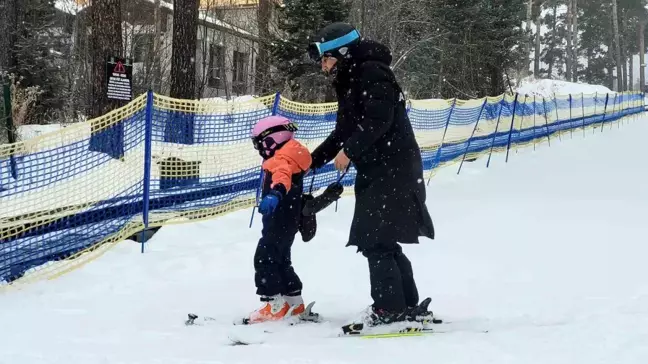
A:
[333,41]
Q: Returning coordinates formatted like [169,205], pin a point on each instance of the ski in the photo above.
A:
[307,316]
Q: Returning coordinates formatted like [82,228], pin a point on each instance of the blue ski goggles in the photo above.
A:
[317,50]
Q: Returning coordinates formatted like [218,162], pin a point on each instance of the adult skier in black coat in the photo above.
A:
[374,132]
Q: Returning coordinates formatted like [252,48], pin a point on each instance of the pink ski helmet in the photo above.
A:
[271,132]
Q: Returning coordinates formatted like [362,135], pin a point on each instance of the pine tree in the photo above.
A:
[298,20]
[30,54]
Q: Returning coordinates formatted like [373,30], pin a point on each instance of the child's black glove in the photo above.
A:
[307,224]
[319,203]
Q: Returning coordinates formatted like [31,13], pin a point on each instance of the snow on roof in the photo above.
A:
[75,6]
[69,6]
[211,20]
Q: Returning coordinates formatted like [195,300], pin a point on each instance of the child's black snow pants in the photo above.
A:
[274,273]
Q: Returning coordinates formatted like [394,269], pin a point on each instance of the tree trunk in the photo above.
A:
[536,61]
[157,45]
[106,41]
[642,54]
[568,51]
[8,41]
[263,78]
[617,45]
[552,59]
[631,72]
[529,42]
[575,42]
[624,49]
[183,58]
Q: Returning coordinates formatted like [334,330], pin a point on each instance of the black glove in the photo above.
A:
[319,203]
[307,224]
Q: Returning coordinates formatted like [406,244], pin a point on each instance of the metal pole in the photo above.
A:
[583,107]
[595,105]
[508,147]
[275,108]
[437,159]
[534,122]
[148,130]
[495,133]
[473,134]
[544,104]
[607,98]
[571,120]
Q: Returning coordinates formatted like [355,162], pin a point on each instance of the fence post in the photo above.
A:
[495,133]
[437,159]
[148,127]
[275,108]
[534,122]
[571,118]
[607,97]
[614,107]
[557,117]
[544,105]
[508,147]
[473,134]
[595,105]
[583,108]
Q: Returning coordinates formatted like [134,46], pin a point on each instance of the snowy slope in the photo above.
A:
[546,252]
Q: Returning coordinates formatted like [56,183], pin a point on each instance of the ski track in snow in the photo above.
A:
[547,253]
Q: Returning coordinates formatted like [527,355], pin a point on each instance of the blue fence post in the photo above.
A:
[571,118]
[614,108]
[607,98]
[583,107]
[437,158]
[595,106]
[275,108]
[534,122]
[472,134]
[508,147]
[148,130]
[544,105]
[495,133]
[557,117]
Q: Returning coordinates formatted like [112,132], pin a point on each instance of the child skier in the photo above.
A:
[285,163]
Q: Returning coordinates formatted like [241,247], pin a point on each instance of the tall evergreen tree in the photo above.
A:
[31,54]
[298,20]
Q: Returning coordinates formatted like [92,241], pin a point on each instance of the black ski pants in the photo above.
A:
[392,280]
[274,273]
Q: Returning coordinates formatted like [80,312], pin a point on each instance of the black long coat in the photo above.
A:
[375,132]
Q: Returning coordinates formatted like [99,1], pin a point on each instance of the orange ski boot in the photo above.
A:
[274,309]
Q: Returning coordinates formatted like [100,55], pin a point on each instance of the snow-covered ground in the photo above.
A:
[548,88]
[546,252]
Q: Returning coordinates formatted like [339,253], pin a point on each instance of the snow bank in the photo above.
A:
[31,131]
[549,88]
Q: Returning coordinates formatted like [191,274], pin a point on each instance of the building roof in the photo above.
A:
[75,6]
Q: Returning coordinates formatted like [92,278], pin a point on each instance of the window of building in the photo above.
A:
[240,72]
[216,66]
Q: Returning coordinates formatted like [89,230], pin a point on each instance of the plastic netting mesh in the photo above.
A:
[66,196]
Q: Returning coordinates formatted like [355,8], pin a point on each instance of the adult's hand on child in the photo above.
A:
[269,202]
[341,161]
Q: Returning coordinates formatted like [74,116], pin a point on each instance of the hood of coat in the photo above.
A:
[369,50]
[365,51]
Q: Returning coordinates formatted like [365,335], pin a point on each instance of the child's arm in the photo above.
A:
[291,159]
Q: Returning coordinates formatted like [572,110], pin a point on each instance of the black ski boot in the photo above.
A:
[421,313]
